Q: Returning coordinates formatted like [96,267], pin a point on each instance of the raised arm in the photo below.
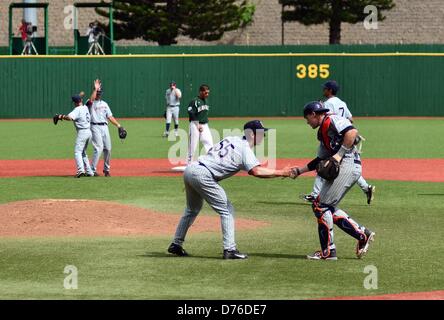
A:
[97,86]
[178,93]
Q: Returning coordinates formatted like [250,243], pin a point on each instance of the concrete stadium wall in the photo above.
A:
[411,21]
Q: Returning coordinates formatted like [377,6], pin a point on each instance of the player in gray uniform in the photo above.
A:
[81,119]
[201,179]
[101,139]
[338,107]
[172,97]
[337,138]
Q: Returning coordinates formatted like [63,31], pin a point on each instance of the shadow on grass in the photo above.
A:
[250,255]
[277,255]
[290,256]
[168,255]
[285,203]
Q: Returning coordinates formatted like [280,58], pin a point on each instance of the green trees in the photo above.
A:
[163,21]
[333,12]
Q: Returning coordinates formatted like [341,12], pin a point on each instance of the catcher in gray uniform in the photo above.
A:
[201,179]
[339,163]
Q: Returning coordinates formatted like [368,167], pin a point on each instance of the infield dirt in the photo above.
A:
[66,218]
[424,170]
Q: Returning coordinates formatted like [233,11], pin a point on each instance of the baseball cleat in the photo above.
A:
[177,250]
[370,193]
[318,255]
[234,254]
[308,197]
[165,135]
[96,174]
[79,175]
[90,175]
[176,134]
[106,173]
[362,246]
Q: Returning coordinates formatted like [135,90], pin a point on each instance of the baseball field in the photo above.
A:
[114,232]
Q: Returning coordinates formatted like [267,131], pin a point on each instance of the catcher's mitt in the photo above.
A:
[56,118]
[122,133]
[328,169]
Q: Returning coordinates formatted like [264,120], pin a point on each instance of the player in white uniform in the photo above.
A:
[81,119]
[172,97]
[101,139]
[338,107]
[198,117]
[201,179]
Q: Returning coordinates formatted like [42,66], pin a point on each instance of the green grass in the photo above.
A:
[406,216]
[386,138]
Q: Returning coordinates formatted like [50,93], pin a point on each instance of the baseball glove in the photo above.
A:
[328,169]
[56,119]
[122,133]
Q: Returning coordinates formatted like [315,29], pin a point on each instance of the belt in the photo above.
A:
[173,106]
[354,160]
[99,123]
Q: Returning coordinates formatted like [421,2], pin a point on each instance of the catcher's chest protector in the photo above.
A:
[330,138]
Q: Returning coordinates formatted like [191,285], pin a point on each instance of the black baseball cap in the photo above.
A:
[172,82]
[255,125]
[314,106]
[76,98]
[332,85]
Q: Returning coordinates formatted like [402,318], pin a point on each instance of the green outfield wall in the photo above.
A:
[242,84]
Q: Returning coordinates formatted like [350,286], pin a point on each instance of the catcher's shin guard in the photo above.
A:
[325,227]
[348,225]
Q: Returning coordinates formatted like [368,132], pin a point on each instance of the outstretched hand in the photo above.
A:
[289,172]
[97,85]
[296,172]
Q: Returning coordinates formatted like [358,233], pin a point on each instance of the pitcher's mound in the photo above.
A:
[97,218]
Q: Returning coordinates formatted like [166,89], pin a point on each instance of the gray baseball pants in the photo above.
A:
[172,112]
[82,162]
[326,211]
[101,142]
[320,181]
[200,185]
